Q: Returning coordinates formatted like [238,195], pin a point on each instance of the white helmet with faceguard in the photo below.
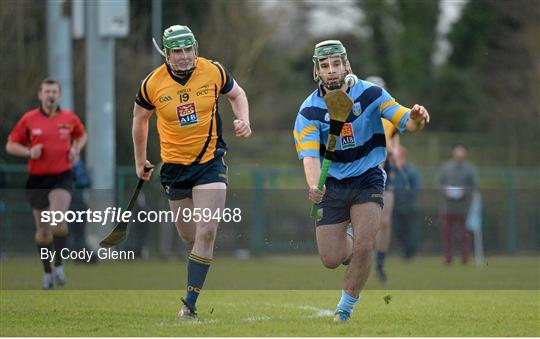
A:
[325,50]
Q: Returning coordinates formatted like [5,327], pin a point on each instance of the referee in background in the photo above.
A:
[51,138]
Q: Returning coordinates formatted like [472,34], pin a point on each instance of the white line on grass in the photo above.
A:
[182,322]
[257,318]
[317,311]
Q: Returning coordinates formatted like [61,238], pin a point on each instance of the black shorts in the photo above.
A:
[179,180]
[38,187]
[342,194]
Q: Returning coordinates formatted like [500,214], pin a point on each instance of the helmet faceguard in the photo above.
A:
[179,37]
[325,50]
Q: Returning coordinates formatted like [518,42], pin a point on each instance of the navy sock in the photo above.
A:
[380,259]
[197,270]
[46,263]
[59,244]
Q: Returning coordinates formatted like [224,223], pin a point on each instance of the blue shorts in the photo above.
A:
[342,194]
[179,180]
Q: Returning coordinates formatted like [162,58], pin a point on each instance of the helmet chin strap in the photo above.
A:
[332,87]
[181,73]
[337,85]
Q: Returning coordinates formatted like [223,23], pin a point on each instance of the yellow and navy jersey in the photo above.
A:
[389,130]
[188,120]
[362,143]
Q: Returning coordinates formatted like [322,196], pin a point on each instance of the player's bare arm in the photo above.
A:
[312,169]
[418,118]
[239,103]
[139,133]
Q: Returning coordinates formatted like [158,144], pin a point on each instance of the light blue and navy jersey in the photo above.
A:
[361,144]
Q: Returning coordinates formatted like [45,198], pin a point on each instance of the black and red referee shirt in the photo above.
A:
[55,133]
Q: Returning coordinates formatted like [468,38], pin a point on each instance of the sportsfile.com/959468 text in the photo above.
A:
[115,215]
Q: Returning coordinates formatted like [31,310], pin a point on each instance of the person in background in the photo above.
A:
[407,185]
[50,138]
[77,236]
[458,179]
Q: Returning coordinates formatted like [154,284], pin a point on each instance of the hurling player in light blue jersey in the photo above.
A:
[354,189]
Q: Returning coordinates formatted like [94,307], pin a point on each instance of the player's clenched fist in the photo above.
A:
[145,171]
[241,128]
[315,194]
[419,114]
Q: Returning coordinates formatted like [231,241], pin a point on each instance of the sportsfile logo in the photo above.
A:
[116,215]
[347,136]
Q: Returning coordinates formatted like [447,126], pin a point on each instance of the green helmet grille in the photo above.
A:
[178,37]
[328,48]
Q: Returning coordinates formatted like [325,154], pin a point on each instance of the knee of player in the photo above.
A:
[207,233]
[61,230]
[366,241]
[385,222]
[188,240]
[330,261]
[363,248]
[43,236]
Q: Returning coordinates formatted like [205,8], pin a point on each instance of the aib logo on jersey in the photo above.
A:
[347,136]
[187,115]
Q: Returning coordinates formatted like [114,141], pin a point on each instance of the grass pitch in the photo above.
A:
[508,305]
[269,313]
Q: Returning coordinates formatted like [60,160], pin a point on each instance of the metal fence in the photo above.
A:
[275,212]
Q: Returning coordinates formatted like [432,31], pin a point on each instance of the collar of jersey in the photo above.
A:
[181,81]
[45,113]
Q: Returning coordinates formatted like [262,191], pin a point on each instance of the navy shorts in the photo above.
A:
[38,187]
[179,180]
[342,194]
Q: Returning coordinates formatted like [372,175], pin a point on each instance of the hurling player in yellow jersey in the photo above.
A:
[382,240]
[384,234]
[184,94]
